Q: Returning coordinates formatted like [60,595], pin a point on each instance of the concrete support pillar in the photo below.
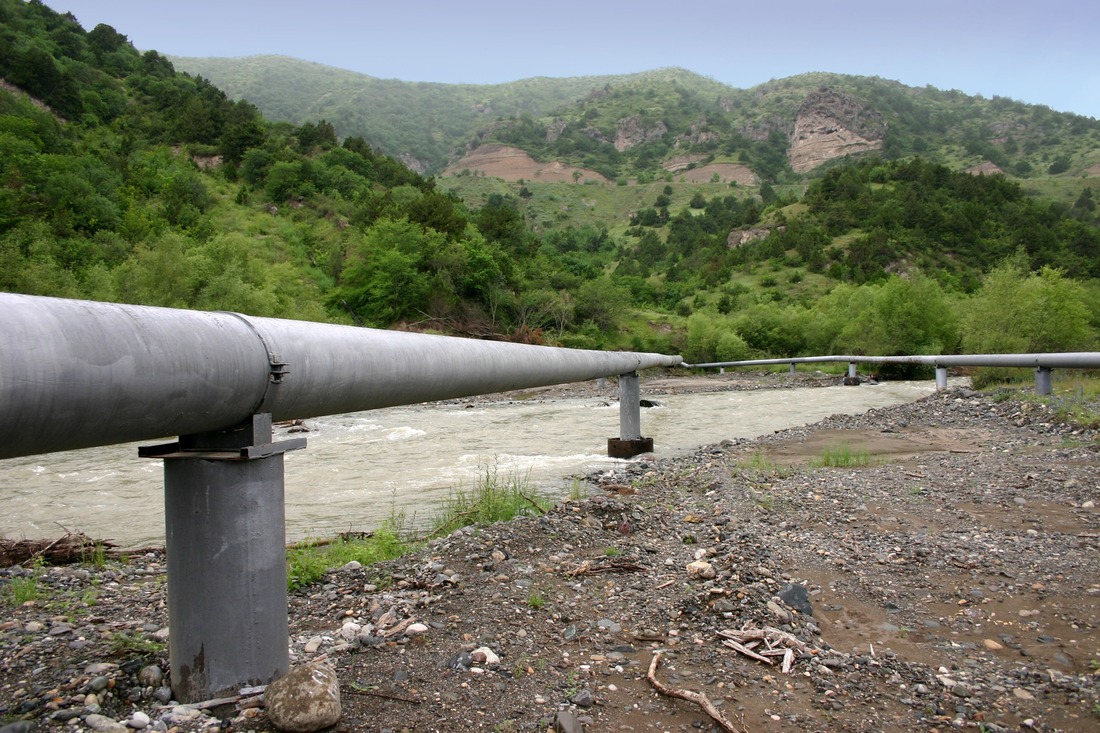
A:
[630,441]
[941,378]
[792,369]
[852,370]
[226,543]
[1043,384]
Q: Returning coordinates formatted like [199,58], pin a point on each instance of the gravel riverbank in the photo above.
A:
[952,582]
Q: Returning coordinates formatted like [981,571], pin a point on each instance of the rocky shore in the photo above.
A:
[949,579]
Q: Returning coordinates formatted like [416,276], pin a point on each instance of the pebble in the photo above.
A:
[103,724]
[700,570]
[138,720]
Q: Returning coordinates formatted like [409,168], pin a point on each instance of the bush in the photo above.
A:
[1017,311]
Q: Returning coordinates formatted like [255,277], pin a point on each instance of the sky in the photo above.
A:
[1034,51]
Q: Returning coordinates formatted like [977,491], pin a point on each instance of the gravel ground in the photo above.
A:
[952,582]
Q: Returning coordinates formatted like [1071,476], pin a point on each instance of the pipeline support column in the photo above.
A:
[941,378]
[226,543]
[630,441]
[1043,384]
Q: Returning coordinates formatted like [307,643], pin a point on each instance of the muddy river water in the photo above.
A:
[360,468]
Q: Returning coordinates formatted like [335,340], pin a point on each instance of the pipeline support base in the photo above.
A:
[619,448]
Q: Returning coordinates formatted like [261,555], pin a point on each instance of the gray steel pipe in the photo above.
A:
[76,374]
[1056,360]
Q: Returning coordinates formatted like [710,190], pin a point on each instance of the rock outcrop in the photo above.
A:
[832,125]
[740,237]
[631,131]
[986,168]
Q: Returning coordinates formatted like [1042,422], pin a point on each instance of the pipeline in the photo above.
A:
[77,374]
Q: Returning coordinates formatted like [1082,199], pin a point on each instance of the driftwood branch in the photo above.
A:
[776,643]
[359,689]
[68,548]
[699,698]
[246,694]
[538,507]
[740,648]
[606,565]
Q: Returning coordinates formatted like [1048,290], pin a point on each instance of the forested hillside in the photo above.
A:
[642,125]
[122,179]
[419,122]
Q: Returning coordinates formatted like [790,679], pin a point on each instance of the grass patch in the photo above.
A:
[1075,399]
[494,499]
[22,589]
[124,645]
[760,463]
[843,455]
[535,601]
[1078,402]
[309,563]
[97,556]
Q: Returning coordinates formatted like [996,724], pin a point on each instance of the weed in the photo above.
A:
[612,552]
[578,490]
[495,499]
[761,463]
[571,686]
[765,502]
[97,556]
[1077,405]
[22,589]
[127,644]
[535,601]
[842,455]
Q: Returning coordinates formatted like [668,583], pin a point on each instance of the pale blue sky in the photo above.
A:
[1043,52]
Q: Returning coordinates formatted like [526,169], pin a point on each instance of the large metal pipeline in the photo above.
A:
[76,374]
[1053,360]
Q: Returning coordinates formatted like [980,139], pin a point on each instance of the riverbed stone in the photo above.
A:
[307,699]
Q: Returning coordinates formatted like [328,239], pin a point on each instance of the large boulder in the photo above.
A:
[307,699]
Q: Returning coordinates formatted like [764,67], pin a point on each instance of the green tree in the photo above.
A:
[1017,311]
[385,279]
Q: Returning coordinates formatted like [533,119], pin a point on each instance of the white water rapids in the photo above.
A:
[360,468]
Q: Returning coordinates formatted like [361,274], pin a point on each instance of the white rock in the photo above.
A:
[313,645]
[138,720]
[485,656]
[416,629]
[350,630]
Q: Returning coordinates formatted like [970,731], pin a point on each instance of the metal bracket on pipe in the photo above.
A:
[248,441]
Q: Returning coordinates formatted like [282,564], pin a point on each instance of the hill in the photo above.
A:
[668,120]
[418,122]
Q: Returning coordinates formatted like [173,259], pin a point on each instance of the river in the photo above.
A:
[361,468]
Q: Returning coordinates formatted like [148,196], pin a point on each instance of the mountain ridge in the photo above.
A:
[780,129]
